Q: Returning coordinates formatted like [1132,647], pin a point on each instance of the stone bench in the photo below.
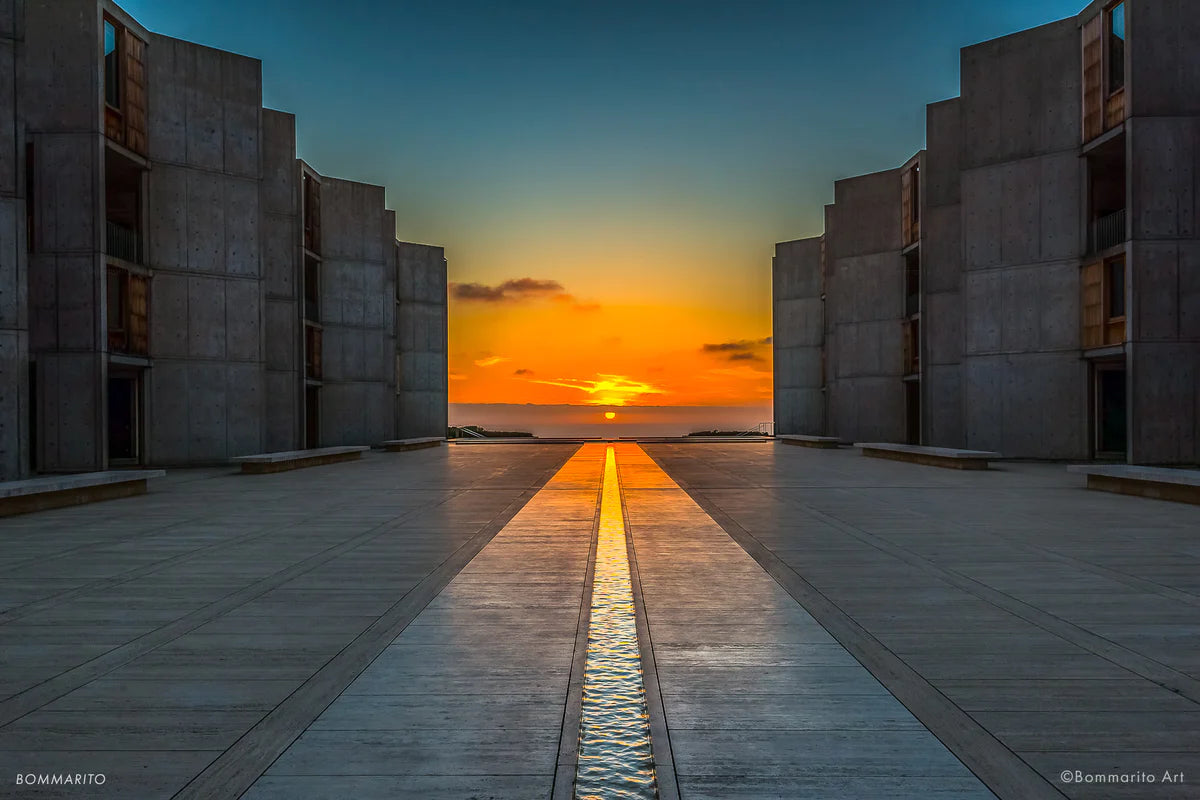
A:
[57,491]
[1179,485]
[297,459]
[400,445]
[946,457]
[822,442]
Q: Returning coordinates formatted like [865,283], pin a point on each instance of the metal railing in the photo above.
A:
[123,243]
[1107,231]
[469,433]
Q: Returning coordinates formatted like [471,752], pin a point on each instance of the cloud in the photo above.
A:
[516,290]
[509,291]
[741,350]
[455,376]
[607,390]
[491,361]
[523,372]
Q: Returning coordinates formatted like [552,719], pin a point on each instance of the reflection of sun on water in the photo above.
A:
[610,415]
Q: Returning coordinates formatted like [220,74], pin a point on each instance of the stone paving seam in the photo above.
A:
[660,731]
[1140,665]
[43,604]
[568,743]
[28,700]
[1003,771]
[251,755]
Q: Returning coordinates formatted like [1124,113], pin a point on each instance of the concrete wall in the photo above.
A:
[941,278]
[14,317]
[798,337]
[864,308]
[1025,385]
[281,284]
[1163,151]
[60,102]
[358,291]
[422,370]
[206,395]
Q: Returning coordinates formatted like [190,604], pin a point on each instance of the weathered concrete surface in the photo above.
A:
[864,305]
[1061,622]
[1025,386]
[14,300]
[421,365]
[941,279]
[1164,264]
[142,638]
[206,390]
[358,290]
[798,337]
[281,286]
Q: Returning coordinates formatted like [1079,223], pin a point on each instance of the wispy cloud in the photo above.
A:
[491,361]
[741,350]
[456,376]
[506,292]
[607,390]
[517,290]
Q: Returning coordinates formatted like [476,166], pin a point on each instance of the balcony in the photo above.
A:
[123,243]
[1107,232]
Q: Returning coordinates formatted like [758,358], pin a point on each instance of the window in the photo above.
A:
[911,206]
[1116,48]
[128,298]
[112,65]
[312,289]
[1115,280]
[312,214]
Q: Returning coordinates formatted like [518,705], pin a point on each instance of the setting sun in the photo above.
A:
[610,415]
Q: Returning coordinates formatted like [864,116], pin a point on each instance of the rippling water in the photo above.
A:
[615,759]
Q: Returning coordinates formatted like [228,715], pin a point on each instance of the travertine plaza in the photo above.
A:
[296,588]
[812,623]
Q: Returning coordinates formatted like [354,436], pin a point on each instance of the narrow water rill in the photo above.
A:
[615,757]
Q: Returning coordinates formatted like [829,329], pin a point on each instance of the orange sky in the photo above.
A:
[531,340]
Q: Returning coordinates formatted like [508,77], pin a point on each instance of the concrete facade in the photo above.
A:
[358,287]
[205,388]
[157,314]
[798,335]
[1057,249]
[14,318]
[421,350]
[864,303]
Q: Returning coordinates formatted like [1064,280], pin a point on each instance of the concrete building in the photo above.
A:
[1030,283]
[172,288]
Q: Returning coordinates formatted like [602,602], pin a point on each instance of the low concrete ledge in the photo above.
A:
[946,457]
[297,459]
[821,442]
[1177,485]
[58,491]
[400,445]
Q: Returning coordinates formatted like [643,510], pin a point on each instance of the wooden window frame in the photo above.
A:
[131,334]
[1099,328]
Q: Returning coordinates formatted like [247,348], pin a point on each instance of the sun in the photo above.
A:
[610,415]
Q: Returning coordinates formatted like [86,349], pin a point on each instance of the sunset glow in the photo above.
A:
[533,341]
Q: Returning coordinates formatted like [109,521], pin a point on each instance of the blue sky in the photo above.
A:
[639,154]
